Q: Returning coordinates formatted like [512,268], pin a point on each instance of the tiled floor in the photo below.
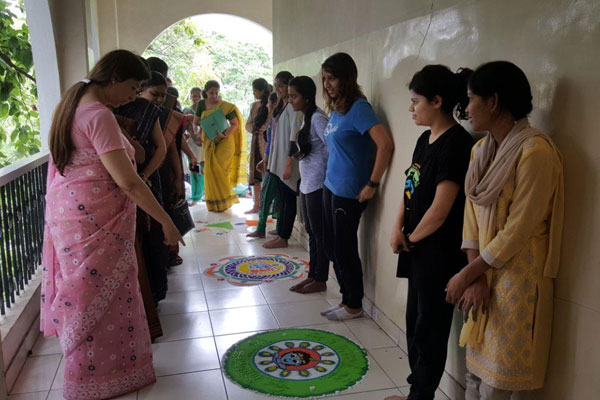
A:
[202,318]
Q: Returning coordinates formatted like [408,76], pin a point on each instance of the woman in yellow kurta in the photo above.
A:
[223,158]
[512,234]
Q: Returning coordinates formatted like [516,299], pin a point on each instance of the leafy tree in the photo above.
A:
[19,119]
[195,56]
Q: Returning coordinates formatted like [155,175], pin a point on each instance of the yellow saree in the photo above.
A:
[223,159]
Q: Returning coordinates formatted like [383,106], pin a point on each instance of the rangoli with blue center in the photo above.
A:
[302,363]
[254,270]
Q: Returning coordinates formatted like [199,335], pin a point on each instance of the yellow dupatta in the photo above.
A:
[239,162]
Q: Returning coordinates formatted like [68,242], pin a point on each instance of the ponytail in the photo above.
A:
[263,113]
[117,65]
[308,90]
[438,80]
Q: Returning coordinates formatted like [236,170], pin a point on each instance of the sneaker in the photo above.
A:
[330,309]
[342,315]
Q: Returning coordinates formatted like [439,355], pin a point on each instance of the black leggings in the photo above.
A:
[312,212]
[342,216]
[287,214]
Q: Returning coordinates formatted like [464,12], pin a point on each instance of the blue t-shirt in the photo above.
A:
[351,149]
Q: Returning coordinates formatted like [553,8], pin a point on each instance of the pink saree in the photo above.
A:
[90,292]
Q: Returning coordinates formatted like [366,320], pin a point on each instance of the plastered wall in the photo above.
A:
[557,44]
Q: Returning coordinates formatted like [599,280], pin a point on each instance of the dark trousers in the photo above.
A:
[287,214]
[428,323]
[342,216]
[312,212]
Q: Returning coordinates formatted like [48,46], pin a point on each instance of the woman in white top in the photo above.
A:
[282,166]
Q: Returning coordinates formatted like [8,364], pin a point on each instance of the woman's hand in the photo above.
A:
[398,241]
[171,234]
[221,135]
[260,166]
[287,173]
[366,194]
[456,288]
[476,295]
[194,161]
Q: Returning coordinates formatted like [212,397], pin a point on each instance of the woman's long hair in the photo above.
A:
[285,77]
[308,90]
[118,65]
[439,80]
[263,113]
[343,67]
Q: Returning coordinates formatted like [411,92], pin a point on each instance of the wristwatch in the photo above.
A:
[372,184]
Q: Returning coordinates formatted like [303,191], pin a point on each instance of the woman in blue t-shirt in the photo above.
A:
[428,231]
[360,149]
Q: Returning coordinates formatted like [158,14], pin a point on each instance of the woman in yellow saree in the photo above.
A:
[224,156]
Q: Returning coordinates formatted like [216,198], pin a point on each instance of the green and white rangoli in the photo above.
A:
[301,363]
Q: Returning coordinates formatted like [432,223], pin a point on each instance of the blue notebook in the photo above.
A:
[214,122]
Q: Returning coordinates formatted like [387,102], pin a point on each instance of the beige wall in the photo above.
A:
[133,24]
[556,43]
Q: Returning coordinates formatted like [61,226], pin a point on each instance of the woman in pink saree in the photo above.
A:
[90,293]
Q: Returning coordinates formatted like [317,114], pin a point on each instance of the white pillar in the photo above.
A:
[44,58]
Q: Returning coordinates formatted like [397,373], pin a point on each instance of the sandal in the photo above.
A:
[313,287]
[174,261]
[300,285]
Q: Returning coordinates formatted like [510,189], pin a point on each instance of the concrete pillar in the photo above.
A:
[46,66]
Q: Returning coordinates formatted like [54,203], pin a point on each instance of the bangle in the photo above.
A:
[372,184]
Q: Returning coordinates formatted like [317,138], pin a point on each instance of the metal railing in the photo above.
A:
[22,206]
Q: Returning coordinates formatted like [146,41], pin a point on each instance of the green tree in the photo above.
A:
[19,119]
[195,56]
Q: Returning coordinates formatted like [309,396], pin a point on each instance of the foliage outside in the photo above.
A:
[19,119]
[195,56]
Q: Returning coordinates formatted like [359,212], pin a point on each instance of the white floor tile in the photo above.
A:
[236,392]
[238,320]
[301,313]
[184,283]
[370,334]
[394,362]
[182,302]
[224,342]
[335,327]
[374,395]
[199,385]
[439,395]
[185,356]
[29,396]
[37,374]
[234,297]
[45,346]
[376,379]
[185,326]
[279,292]
[333,290]
[189,266]
[60,376]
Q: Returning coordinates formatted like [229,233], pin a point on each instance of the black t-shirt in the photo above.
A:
[435,259]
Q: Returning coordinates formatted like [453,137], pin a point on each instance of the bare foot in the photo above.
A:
[301,284]
[278,243]
[255,234]
[313,287]
[273,232]
[252,211]
[396,398]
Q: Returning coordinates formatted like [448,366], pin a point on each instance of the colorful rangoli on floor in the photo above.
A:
[301,363]
[254,270]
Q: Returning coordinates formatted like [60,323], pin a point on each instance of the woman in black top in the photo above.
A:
[428,230]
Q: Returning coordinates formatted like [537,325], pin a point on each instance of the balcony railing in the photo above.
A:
[22,206]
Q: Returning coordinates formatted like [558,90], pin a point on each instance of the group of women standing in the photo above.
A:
[479,224]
